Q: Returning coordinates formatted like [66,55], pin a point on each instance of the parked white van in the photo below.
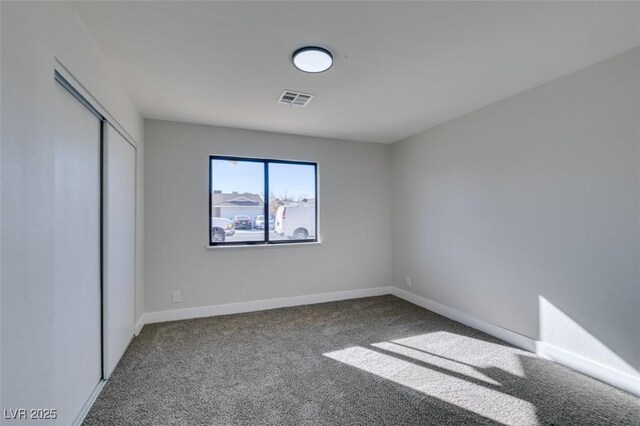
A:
[296,222]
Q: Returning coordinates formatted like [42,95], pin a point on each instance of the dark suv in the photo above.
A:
[242,222]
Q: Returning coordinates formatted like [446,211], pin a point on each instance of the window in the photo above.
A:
[260,201]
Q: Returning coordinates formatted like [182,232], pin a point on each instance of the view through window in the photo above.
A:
[242,213]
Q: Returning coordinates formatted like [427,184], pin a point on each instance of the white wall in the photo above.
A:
[33,35]
[354,219]
[529,213]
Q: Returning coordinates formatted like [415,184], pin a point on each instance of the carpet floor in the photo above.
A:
[377,360]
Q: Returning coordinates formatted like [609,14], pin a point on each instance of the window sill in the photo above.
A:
[248,246]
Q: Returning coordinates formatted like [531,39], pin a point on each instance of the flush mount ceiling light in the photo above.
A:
[312,59]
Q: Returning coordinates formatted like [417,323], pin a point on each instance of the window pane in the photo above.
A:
[237,200]
[292,201]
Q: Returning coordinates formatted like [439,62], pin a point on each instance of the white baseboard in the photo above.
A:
[575,362]
[87,405]
[259,305]
[139,325]
[590,368]
[501,333]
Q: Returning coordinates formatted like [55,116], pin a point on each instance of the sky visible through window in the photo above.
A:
[246,176]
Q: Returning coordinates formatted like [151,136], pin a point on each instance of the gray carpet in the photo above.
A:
[377,360]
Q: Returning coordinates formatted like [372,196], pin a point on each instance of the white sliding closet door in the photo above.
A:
[75,204]
[120,233]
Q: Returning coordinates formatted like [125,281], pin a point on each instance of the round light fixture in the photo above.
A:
[312,59]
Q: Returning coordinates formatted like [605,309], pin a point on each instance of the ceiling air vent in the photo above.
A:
[298,99]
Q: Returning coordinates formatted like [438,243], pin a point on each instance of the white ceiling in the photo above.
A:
[399,67]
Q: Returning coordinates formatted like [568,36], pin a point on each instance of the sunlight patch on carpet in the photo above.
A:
[479,399]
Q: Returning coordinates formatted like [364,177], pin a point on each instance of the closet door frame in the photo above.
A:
[88,99]
[67,80]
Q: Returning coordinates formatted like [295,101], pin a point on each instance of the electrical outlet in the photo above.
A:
[408,279]
[177,296]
